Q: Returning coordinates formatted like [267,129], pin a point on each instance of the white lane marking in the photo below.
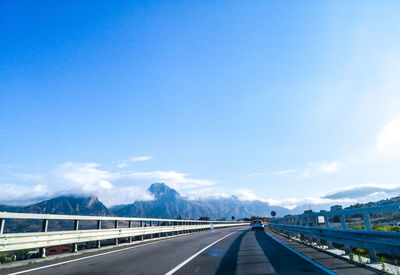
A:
[330,272]
[175,269]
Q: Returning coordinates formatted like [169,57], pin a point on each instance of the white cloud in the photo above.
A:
[358,193]
[330,167]
[174,179]
[13,194]
[207,193]
[143,158]
[285,172]
[389,137]
[246,195]
[122,164]
[291,203]
[322,168]
[370,191]
[86,178]
[125,163]
[254,175]
[216,193]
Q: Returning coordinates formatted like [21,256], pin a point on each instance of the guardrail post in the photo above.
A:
[372,253]
[141,225]
[130,226]
[326,220]
[42,251]
[307,223]
[2,224]
[297,223]
[76,228]
[316,225]
[98,243]
[151,224]
[344,226]
[116,226]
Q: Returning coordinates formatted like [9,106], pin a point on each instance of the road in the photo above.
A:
[227,251]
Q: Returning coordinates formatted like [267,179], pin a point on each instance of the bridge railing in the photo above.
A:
[318,226]
[136,227]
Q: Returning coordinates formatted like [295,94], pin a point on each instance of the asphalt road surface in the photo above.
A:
[227,251]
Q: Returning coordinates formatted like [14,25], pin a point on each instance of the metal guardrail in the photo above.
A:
[308,225]
[156,227]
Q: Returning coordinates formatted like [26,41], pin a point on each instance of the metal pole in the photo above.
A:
[141,225]
[130,226]
[372,253]
[76,228]
[316,225]
[2,224]
[42,251]
[151,235]
[326,219]
[344,226]
[98,244]
[116,226]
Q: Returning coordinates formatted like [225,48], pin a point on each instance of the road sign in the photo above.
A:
[273,213]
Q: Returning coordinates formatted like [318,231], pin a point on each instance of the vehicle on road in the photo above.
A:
[257,224]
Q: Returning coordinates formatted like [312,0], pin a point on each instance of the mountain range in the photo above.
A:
[167,203]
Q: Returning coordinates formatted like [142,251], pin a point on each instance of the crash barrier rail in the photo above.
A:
[136,227]
[317,226]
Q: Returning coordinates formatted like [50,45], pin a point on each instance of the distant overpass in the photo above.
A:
[164,246]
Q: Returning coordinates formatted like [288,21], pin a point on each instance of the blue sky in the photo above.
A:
[281,101]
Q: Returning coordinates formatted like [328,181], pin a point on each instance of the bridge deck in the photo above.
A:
[242,252]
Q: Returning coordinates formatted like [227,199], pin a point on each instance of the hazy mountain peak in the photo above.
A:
[69,205]
[162,192]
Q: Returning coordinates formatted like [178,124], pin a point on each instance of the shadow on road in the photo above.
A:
[229,261]
[283,260]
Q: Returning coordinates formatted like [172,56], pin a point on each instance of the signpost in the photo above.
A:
[273,214]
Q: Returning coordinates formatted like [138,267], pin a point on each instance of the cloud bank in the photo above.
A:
[91,179]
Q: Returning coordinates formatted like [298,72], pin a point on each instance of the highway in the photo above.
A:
[226,251]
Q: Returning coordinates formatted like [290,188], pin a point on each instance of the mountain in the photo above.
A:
[8,208]
[169,203]
[70,205]
[66,205]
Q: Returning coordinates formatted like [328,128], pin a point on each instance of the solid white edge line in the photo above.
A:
[175,269]
[330,272]
[85,258]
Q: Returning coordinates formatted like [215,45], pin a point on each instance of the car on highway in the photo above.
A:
[257,224]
